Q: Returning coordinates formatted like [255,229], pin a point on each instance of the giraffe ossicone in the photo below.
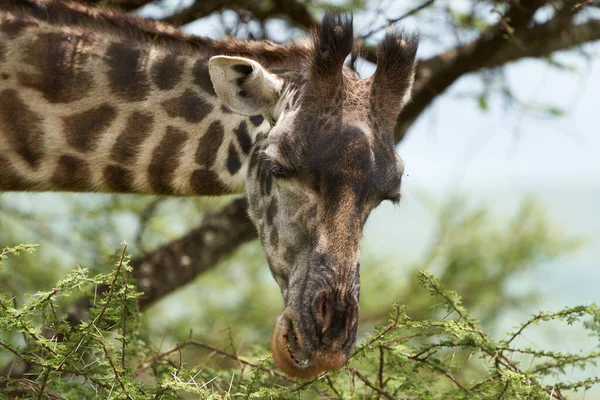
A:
[97,101]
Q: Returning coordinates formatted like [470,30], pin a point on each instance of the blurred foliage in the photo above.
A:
[109,356]
[211,338]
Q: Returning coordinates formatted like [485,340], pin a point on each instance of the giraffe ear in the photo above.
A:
[243,85]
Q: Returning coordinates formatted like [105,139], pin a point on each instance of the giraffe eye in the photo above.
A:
[277,170]
[274,168]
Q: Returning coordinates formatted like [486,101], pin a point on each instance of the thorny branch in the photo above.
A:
[426,360]
[399,321]
[114,368]
[194,343]
[112,285]
[366,381]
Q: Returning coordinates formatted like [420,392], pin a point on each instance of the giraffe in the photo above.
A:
[93,100]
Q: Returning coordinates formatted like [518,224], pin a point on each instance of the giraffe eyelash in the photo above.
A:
[394,199]
[277,170]
[273,167]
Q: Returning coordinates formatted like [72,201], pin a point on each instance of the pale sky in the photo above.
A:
[454,142]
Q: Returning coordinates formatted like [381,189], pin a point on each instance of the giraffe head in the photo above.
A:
[328,160]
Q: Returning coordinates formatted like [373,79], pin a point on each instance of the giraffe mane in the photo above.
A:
[70,13]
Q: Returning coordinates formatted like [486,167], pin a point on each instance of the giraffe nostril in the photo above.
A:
[353,313]
[321,309]
[335,316]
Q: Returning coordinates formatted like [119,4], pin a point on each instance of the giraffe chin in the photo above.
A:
[289,355]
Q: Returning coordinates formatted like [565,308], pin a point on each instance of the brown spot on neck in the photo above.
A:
[3,51]
[207,183]
[125,150]
[202,77]
[271,211]
[167,71]
[118,179]
[9,178]
[233,160]
[188,106]
[72,174]
[257,120]
[127,72]
[59,59]
[84,129]
[243,138]
[274,236]
[165,160]
[266,182]
[209,145]
[21,127]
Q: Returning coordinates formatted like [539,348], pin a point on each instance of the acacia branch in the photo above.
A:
[199,9]
[179,262]
[295,12]
[194,343]
[366,381]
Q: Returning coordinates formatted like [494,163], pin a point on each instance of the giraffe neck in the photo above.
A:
[114,104]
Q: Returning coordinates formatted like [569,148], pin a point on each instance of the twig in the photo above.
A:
[235,351]
[483,382]
[400,18]
[44,365]
[12,350]
[446,373]
[20,388]
[112,285]
[108,301]
[125,312]
[578,5]
[525,325]
[332,387]
[453,305]
[381,356]
[43,386]
[25,329]
[144,366]
[503,391]
[114,368]
[369,384]
[391,326]
[145,216]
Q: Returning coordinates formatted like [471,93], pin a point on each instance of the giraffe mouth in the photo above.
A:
[294,346]
[288,352]
[294,358]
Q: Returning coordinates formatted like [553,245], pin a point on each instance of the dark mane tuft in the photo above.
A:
[333,42]
[129,28]
[396,57]
[356,48]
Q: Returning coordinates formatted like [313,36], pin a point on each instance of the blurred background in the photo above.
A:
[501,194]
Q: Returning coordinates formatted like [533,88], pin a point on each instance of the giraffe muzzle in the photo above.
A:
[319,347]
[290,355]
